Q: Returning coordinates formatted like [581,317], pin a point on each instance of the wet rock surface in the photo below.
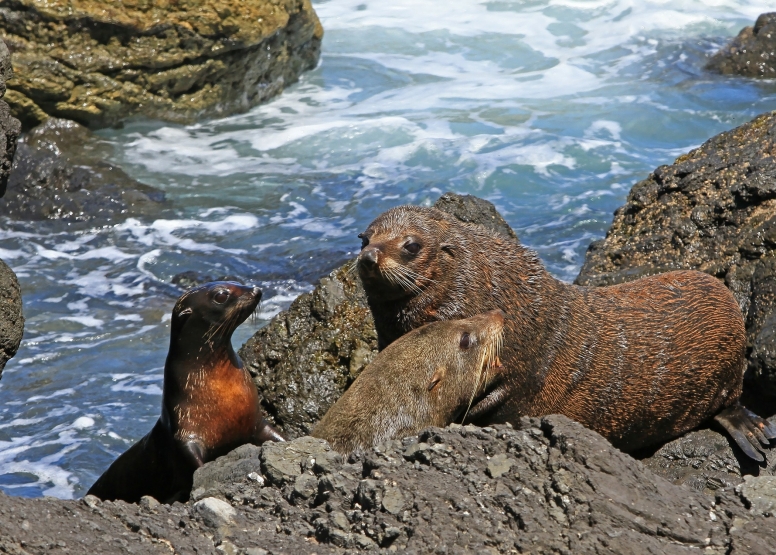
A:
[10,127]
[564,490]
[713,210]
[11,316]
[752,53]
[99,63]
[59,173]
[306,357]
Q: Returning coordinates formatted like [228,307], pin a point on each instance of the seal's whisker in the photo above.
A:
[352,266]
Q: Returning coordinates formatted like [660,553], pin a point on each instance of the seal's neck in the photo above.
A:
[191,362]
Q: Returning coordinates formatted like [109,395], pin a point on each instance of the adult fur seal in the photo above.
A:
[640,362]
[209,403]
[428,377]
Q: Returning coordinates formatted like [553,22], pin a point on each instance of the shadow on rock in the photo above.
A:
[60,173]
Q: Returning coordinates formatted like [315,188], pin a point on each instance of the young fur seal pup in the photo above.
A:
[640,363]
[209,403]
[428,377]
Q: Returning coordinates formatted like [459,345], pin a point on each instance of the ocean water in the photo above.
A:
[550,109]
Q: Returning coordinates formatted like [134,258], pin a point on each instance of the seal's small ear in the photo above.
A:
[437,377]
[184,314]
[448,248]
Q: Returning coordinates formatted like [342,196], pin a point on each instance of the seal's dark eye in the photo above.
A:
[364,240]
[221,296]
[466,341]
[412,248]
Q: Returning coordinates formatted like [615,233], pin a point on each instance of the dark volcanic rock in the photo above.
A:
[752,53]
[11,317]
[705,460]
[9,126]
[306,357]
[713,210]
[550,486]
[99,62]
[59,172]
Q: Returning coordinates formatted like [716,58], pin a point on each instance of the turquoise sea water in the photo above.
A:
[550,109]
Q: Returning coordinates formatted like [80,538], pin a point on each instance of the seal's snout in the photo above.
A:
[368,258]
[256,292]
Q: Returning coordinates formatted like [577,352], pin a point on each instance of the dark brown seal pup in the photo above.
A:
[640,362]
[428,377]
[209,403]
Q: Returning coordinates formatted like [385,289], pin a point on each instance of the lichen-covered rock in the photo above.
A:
[306,357]
[752,53]
[59,173]
[714,210]
[99,62]
[11,316]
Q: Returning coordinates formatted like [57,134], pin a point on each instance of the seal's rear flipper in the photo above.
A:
[748,429]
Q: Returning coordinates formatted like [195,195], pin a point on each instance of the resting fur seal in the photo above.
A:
[209,403]
[640,363]
[428,377]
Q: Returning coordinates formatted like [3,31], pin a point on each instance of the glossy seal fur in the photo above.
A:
[429,377]
[209,403]
[640,363]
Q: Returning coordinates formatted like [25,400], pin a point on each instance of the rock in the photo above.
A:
[99,63]
[9,126]
[234,467]
[59,173]
[714,210]
[752,53]
[760,494]
[568,491]
[705,461]
[11,316]
[306,357]
[283,462]
[471,209]
[214,512]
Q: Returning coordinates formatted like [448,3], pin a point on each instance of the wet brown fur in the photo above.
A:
[424,378]
[209,403]
[640,362]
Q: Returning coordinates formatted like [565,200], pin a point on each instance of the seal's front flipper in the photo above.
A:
[749,430]
[266,432]
[194,453]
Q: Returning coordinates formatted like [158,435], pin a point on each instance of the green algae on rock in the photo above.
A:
[99,63]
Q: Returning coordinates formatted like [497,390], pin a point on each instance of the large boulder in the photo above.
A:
[99,62]
[11,317]
[752,53]
[547,486]
[714,210]
[306,357]
[60,173]
[9,126]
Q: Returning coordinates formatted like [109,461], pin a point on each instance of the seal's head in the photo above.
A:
[435,375]
[211,312]
[400,251]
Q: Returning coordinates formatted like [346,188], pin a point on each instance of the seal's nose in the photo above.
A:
[368,258]
[256,292]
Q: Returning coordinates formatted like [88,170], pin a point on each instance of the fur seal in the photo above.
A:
[428,377]
[209,403]
[640,363]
